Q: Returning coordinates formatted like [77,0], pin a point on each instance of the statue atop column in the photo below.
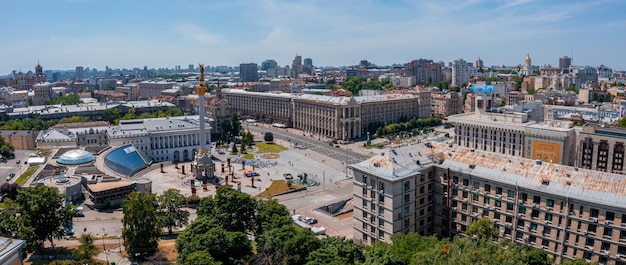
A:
[203,165]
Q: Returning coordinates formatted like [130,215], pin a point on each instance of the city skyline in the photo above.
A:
[65,34]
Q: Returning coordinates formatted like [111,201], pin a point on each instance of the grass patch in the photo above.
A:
[264,147]
[248,156]
[376,145]
[26,175]
[277,187]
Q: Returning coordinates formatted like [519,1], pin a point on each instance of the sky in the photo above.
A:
[63,34]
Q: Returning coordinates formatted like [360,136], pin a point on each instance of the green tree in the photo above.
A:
[86,250]
[576,262]
[71,99]
[41,214]
[141,228]
[380,254]
[224,246]
[169,211]
[272,215]
[298,247]
[74,119]
[336,250]
[10,190]
[201,257]
[247,138]
[482,228]
[231,209]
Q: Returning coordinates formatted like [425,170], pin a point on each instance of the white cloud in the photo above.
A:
[194,32]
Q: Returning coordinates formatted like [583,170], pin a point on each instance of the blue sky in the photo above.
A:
[62,34]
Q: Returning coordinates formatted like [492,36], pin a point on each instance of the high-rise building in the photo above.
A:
[26,81]
[564,63]
[586,77]
[479,63]
[191,67]
[248,72]
[296,67]
[461,71]
[308,62]
[268,64]
[424,71]
[79,73]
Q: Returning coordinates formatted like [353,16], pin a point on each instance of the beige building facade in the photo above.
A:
[440,189]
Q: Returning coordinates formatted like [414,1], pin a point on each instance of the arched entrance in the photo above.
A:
[186,155]
[176,156]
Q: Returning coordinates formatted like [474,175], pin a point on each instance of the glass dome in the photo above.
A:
[75,157]
[126,160]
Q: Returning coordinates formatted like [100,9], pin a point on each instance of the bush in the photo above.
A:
[268,137]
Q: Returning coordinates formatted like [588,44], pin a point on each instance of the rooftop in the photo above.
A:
[589,185]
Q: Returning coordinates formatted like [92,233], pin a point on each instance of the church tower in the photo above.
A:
[529,68]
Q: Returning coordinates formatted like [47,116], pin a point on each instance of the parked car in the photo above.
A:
[310,220]
[17,162]
[10,176]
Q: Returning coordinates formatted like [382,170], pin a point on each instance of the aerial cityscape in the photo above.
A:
[294,132]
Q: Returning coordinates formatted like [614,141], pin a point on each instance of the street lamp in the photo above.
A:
[106,253]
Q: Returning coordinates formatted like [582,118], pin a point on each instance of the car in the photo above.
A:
[17,162]
[25,162]
[310,220]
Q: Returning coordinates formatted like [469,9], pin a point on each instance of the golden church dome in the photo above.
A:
[527,58]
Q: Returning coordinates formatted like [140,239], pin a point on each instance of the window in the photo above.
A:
[476,185]
[536,199]
[364,191]
[547,230]
[487,188]
[509,206]
[524,197]
[549,217]
[534,214]
[509,219]
[533,227]
[465,194]
[499,190]
[496,215]
[475,197]
[594,213]
[592,228]
[455,179]
[549,203]
[520,223]
[510,194]
[589,242]
[519,234]
[364,203]
[608,232]
[610,216]
[466,182]
[381,211]
[407,185]
[486,201]
[521,210]
[498,204]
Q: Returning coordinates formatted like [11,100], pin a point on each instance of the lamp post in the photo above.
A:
[106,253]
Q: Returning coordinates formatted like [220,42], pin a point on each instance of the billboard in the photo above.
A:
[546,151]
[478,88]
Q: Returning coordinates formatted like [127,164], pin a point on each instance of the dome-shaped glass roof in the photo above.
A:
[75,157]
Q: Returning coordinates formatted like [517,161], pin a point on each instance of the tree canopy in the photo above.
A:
[169,211]
[141,229]
[37,214]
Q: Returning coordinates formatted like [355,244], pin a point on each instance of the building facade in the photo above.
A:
[514,133]
[248,72]
[440,189]
[424,71]
[148,89]
[601,149]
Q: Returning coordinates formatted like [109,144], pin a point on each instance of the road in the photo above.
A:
[341,153]
[11,165]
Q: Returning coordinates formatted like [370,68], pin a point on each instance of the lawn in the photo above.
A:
[26,175]
[277,187]
[264,147]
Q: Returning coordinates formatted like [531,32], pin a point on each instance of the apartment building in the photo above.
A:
[148,89]
[270,107]
[440,189]
[601,148]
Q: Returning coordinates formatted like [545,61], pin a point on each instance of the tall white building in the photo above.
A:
[462,71]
